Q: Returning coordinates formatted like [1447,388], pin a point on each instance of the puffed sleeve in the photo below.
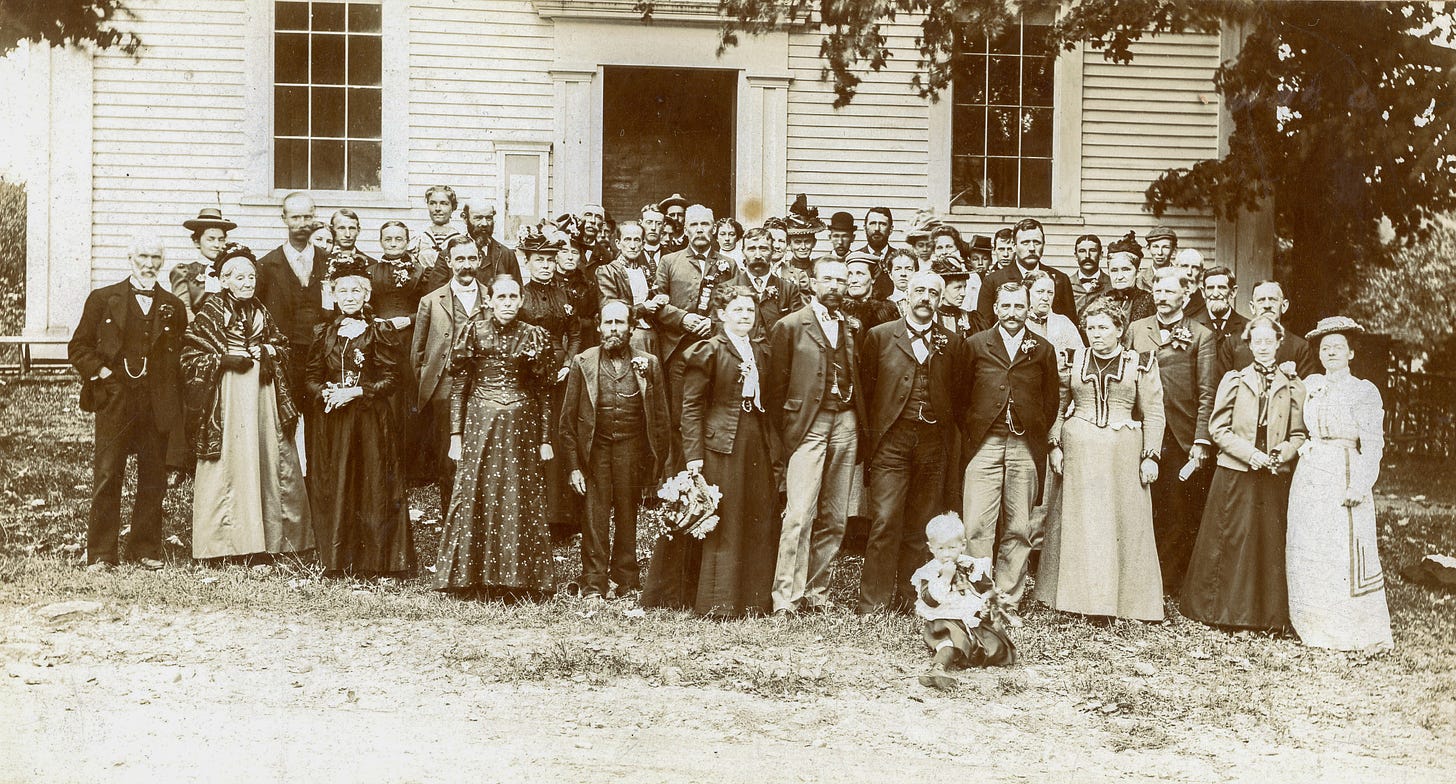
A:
[1150,403]
[1065,360]
[1369,412]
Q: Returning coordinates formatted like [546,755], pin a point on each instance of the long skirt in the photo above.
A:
[495,531]
[730,572]
[1099,556]
[1336,584]
[252,498]
[1236,576]
[360,514]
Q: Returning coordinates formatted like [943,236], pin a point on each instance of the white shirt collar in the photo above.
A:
[294,256]
[138,284]
[472,289]
[822,313]
[1012,343]
[743,344]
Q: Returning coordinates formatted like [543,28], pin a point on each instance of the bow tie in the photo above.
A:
[1089,281]
[148,293]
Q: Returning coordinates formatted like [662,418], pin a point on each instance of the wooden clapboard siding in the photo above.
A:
[874,152]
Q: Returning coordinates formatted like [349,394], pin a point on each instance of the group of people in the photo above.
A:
[1129,423]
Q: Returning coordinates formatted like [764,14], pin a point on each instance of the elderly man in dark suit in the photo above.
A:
[814,395]
[614,439]
[441,315]
[775,296]
[688,278]
[1220,291]
[1268,299]
[1014,397]
[1187,359]
[1030,241]
[126,350]
[290,285]
[911,379]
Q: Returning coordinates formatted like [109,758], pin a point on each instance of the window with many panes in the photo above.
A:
[1001,120]
[327,95]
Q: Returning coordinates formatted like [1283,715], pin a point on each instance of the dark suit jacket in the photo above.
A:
[97,343]
[713,395]
[1233,328]
[799,360]
[1062,301]
[613,282]
[437,325]
[782,297]
[578,425]
[1080,296]
[1188,374]
[1196,308]
[495,259]
[680,279]
[887,370]
[1030,380]
[1237,356]
[296,309]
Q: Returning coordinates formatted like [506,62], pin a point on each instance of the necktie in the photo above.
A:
[148,293]
[923,338]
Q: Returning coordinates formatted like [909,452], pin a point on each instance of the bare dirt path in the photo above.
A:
[132,694]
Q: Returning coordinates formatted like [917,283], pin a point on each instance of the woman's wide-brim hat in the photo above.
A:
[534,242]
[921,226]
[1334,325]
[209,218]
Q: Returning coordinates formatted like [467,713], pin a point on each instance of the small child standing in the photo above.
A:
[957,599]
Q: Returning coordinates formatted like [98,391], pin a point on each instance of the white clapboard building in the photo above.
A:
[544,105]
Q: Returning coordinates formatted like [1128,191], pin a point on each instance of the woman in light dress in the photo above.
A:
[1336,585]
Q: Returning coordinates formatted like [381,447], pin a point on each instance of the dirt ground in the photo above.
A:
[122,694]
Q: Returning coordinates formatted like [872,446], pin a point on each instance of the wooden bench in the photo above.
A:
[25,343]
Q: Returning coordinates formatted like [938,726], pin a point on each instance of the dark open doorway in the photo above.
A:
[666,131]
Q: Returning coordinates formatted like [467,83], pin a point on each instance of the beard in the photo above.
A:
[613,342]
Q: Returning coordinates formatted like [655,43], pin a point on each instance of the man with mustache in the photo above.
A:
[674,211]
[1013,398]
[911,374]
[126,350]
[813,392]
[1191,262]
[1091,280]
[614,439]
[1187,355]
[290,285]
[495,258]
[776,297]
[1030,241]
[879,222]
[687,278]
[441,315]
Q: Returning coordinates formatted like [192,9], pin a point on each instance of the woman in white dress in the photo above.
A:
[1336,585]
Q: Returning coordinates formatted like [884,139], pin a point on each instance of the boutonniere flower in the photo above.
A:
[166,311]
[1028,345]
[1288,369]
[743,368]
[854,323]
[639,366]
[358,357]
[938,341]
[1181,337]
[771,292]
[400,269]
[569,309]
[723,266]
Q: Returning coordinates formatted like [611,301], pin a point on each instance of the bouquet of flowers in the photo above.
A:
[692,506]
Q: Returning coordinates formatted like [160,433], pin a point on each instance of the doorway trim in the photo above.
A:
[584,48]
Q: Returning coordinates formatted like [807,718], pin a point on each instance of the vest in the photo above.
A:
[839,374]
[620,413]
[918,407]
[136,340]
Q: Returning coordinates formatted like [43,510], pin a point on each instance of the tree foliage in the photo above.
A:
[1343,111]
[1408,295]
[65,23]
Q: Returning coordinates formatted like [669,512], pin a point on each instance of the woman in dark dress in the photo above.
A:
[397,282]
[360,514]
[725,436]
[1236,576]
[582,292]
[546,305]
[496,537]
[1124,257]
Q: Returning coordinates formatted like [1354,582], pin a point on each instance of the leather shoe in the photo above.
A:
[98,567]
[150,564]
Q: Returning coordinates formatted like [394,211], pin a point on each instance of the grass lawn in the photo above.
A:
[1120,687]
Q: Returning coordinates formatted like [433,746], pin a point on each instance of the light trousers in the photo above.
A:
[1000,491]
[817,478]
